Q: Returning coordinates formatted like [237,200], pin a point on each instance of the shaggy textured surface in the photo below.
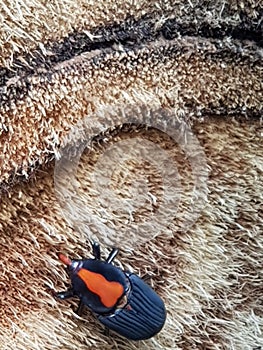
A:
[71,63]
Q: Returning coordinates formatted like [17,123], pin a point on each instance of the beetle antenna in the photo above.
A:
[64,259]
[112,255]
[96,250]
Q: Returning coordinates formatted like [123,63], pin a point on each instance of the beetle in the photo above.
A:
[121,300]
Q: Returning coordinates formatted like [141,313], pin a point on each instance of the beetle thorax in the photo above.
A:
[108,291]
[76,265]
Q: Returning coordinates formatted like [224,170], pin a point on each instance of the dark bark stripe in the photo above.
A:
[133,33]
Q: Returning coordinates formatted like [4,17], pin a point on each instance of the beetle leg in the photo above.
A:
[107,331]
[96,250]
[146,278]
[80,308]
[65,295]
[112,255]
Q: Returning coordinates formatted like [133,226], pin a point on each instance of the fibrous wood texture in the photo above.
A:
[181,81]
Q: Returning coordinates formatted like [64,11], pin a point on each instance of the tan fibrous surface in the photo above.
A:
[54,20]
[209,277]
[185,74]
[77,70]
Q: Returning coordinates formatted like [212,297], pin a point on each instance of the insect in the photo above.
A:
[120,300]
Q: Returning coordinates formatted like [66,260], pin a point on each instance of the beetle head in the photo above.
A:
[73,265]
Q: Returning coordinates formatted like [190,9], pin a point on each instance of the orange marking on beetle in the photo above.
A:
[108,291]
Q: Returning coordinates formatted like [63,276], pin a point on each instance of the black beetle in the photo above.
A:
[121,300]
